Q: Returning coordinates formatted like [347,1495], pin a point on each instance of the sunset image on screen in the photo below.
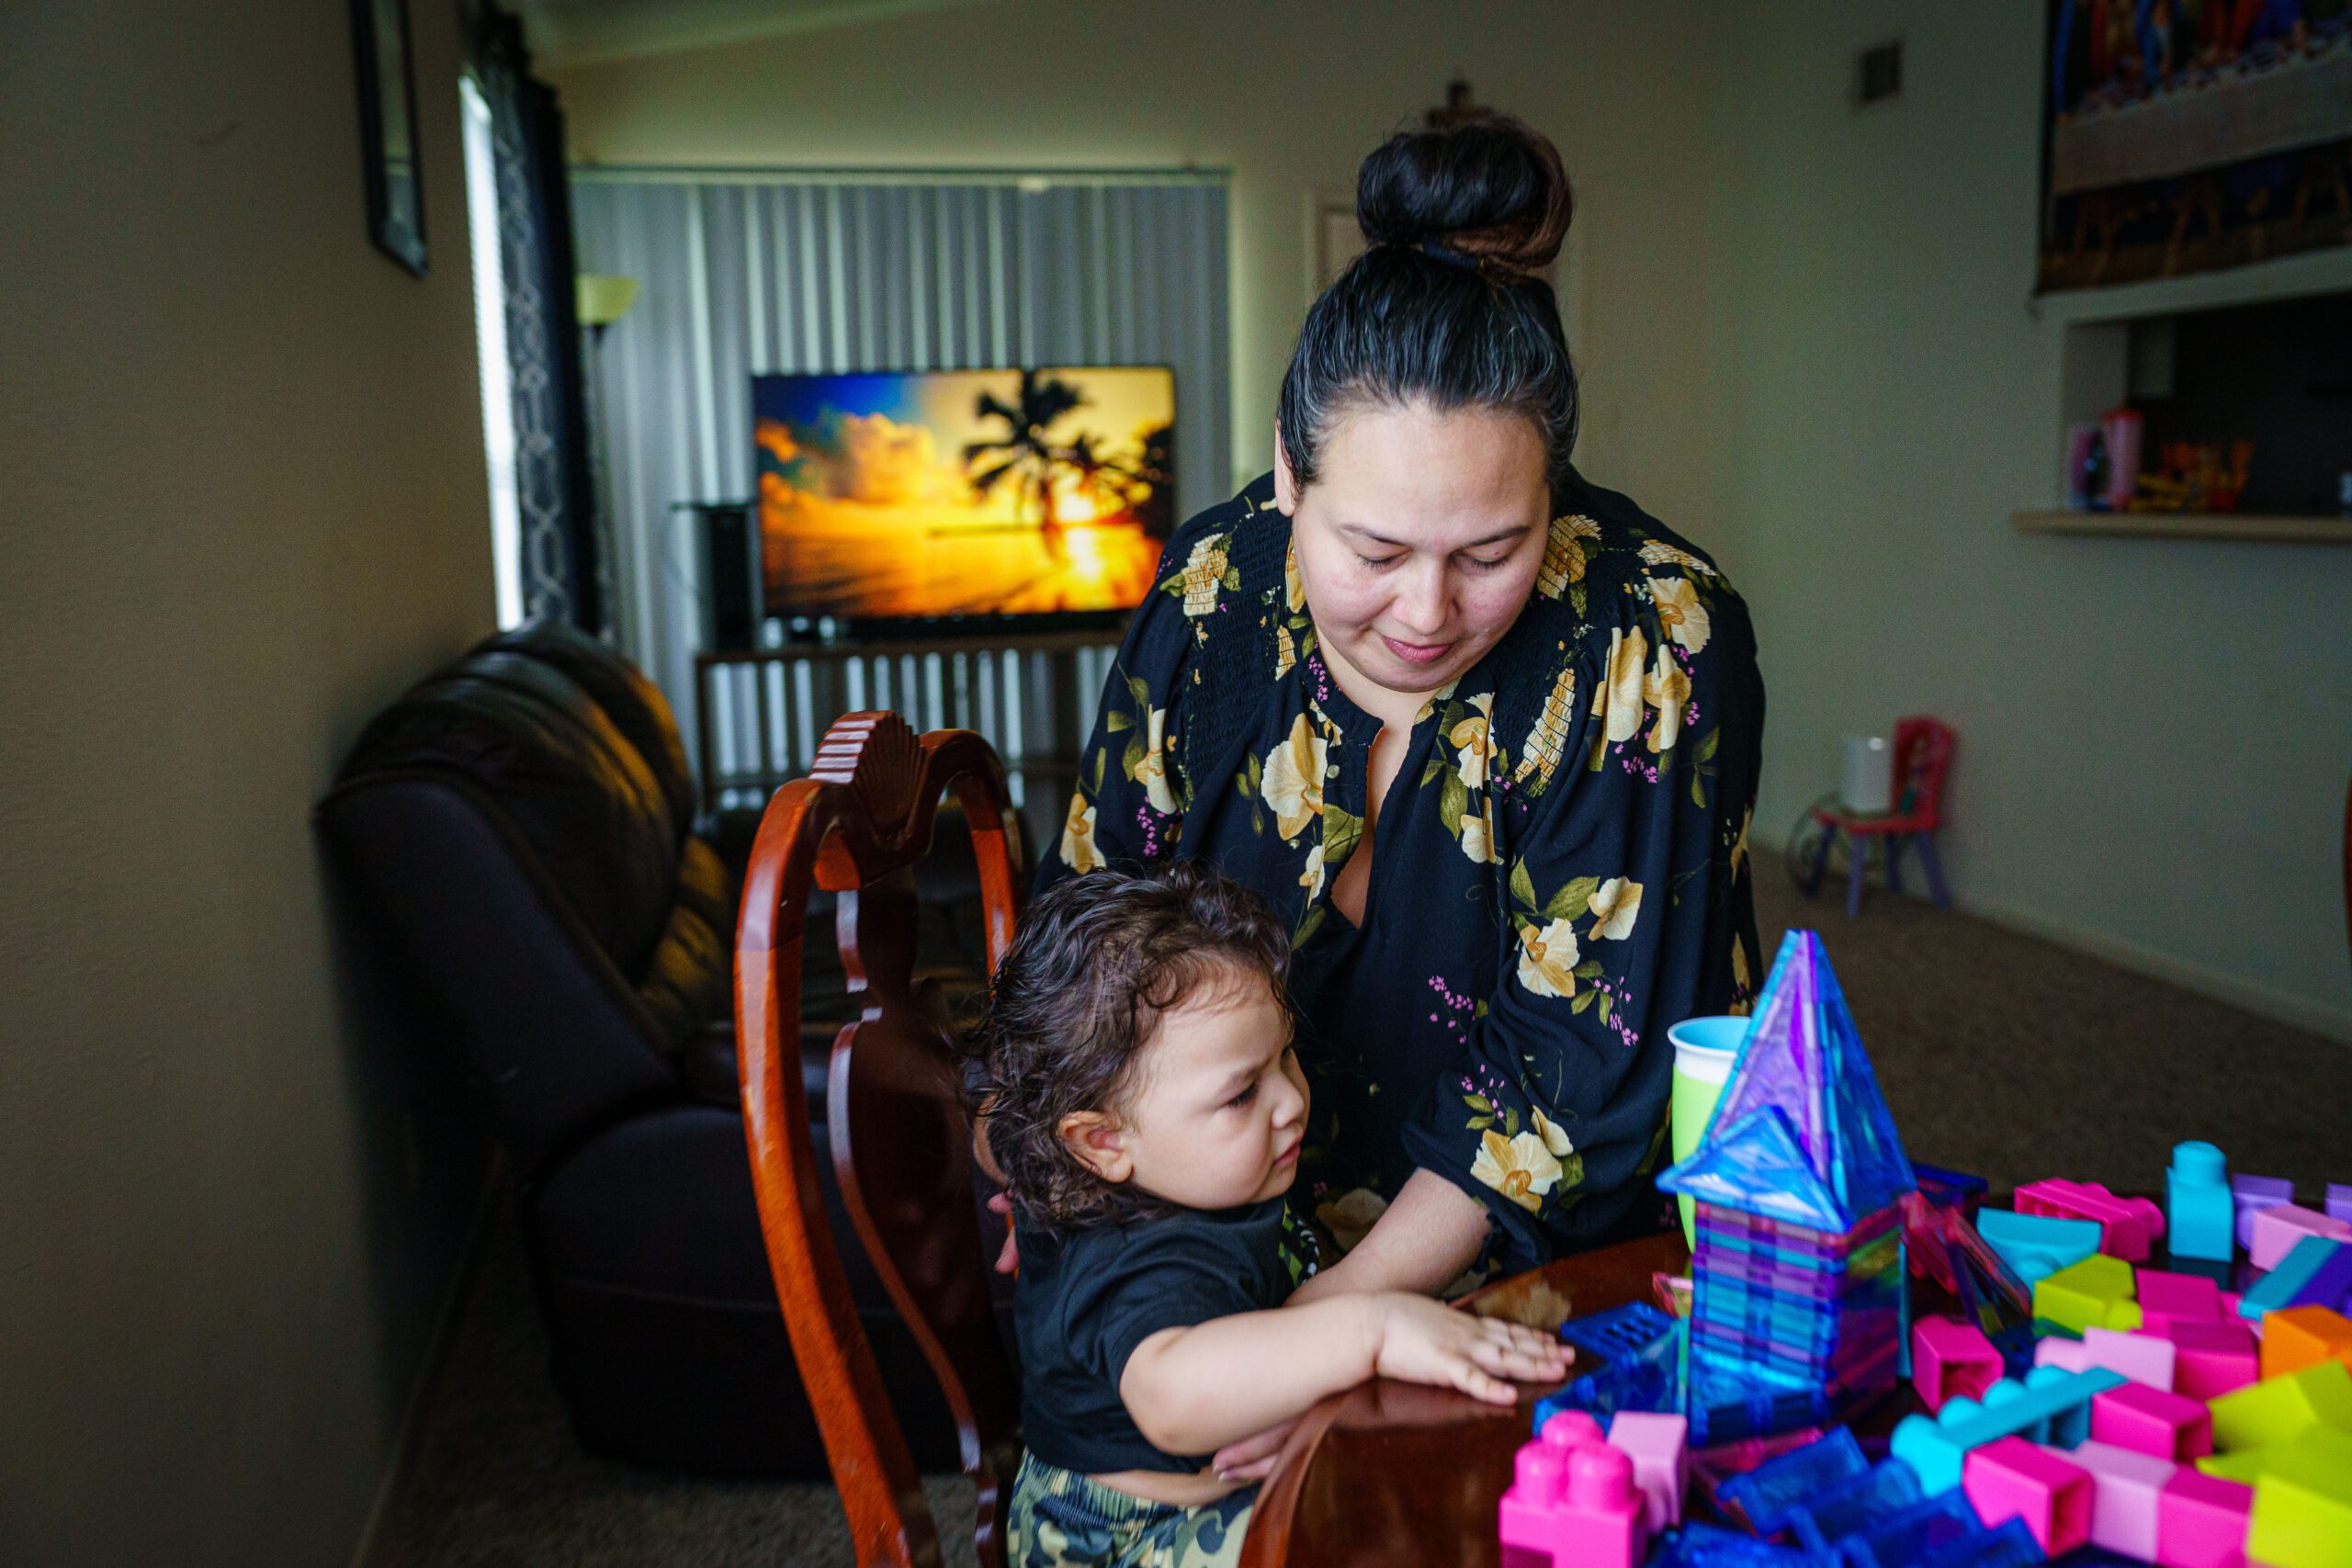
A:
[964,492]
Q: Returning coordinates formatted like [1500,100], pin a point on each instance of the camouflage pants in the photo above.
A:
[1061,1520]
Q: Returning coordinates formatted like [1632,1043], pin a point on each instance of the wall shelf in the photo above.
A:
[2283,277]
[2238,527]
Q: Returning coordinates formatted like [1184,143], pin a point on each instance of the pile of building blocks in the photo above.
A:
[2121,1383]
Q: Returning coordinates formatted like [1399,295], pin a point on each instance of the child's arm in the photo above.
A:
[1194,1390]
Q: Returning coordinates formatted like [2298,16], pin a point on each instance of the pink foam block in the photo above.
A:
[2142,1358]
[2211,1358]
[2126,1489]
[2278,1229]
[2009,1478]
[2149,1421]
[2187,1298]
[2201,1521]
[1948,1358]
[1660,1446]
[1572,1499]
[2127,1225]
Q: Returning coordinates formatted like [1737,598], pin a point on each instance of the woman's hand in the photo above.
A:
[1421,1341]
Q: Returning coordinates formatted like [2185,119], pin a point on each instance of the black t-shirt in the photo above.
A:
[1088,1297]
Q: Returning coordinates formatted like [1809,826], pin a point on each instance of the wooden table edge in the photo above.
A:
[1266,1543]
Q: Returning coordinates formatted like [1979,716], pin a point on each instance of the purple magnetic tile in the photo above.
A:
[2339,1202]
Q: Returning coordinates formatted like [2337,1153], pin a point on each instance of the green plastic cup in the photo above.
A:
[1704,1049]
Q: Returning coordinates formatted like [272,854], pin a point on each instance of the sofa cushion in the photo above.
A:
[634,703]
[562,772]
[686,979]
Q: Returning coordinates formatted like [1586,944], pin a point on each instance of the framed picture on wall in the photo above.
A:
[2182,137]
[387,130]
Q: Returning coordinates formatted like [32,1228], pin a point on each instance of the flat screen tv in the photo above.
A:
[944,496]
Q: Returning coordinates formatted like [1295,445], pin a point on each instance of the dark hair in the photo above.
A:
[1076,999]
[1449,303]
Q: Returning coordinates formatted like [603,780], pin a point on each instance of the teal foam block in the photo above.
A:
[2280,1287]
[2036,1245]
[2052,1406]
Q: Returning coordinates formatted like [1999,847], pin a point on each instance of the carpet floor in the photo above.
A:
[2000,1053]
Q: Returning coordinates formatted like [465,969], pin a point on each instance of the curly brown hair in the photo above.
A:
[1078,996]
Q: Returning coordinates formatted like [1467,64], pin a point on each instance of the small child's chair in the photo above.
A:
[1922,758]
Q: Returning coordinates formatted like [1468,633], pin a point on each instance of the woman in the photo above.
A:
[1486,734]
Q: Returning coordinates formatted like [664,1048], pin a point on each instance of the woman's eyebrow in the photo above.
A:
[1516,530]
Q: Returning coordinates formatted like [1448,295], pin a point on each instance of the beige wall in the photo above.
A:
[1287,96]
[241,475]
[2154,734]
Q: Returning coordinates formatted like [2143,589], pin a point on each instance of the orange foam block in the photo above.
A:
[2294,1339]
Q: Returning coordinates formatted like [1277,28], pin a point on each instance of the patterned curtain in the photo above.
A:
[562,561]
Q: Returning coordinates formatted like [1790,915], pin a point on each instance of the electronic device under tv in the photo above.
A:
[963,499]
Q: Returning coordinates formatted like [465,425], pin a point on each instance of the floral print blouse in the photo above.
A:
[1559,872]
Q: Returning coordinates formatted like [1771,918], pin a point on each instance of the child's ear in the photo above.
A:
[1098,1143]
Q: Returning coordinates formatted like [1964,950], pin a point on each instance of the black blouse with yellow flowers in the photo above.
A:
[1559,873]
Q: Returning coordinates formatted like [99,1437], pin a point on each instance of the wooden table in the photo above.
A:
[1391,1473]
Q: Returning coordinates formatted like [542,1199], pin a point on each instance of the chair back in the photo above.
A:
[1922,758]
[901,1145]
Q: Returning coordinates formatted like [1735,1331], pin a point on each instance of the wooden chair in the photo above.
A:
[902,1145]
[1922,758]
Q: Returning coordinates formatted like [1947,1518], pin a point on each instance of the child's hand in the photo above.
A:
[1421,1341]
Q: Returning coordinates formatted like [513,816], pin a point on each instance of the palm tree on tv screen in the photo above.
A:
[1024,454]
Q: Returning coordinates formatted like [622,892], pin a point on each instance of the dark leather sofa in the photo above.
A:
[523,822]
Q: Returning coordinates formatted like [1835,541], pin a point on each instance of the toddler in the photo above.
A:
[1142,1099]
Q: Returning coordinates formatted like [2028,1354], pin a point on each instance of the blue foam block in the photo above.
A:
[2284,1286]
[2052,1405]
[2036,1245]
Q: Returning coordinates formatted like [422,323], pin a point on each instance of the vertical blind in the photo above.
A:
[744,271]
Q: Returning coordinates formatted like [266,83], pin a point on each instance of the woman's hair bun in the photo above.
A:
[1490,189]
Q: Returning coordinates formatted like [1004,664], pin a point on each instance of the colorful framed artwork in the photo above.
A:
[2183,136]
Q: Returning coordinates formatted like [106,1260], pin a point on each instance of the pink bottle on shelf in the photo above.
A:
[2120,428]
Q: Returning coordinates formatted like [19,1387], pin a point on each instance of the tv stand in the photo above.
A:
[759,713]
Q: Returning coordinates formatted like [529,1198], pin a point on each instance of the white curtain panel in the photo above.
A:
[743,272]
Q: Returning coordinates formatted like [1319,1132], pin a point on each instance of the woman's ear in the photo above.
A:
[1285,484]
[1097,1141]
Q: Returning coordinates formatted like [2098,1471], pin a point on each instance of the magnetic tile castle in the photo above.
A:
[1799,1268]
